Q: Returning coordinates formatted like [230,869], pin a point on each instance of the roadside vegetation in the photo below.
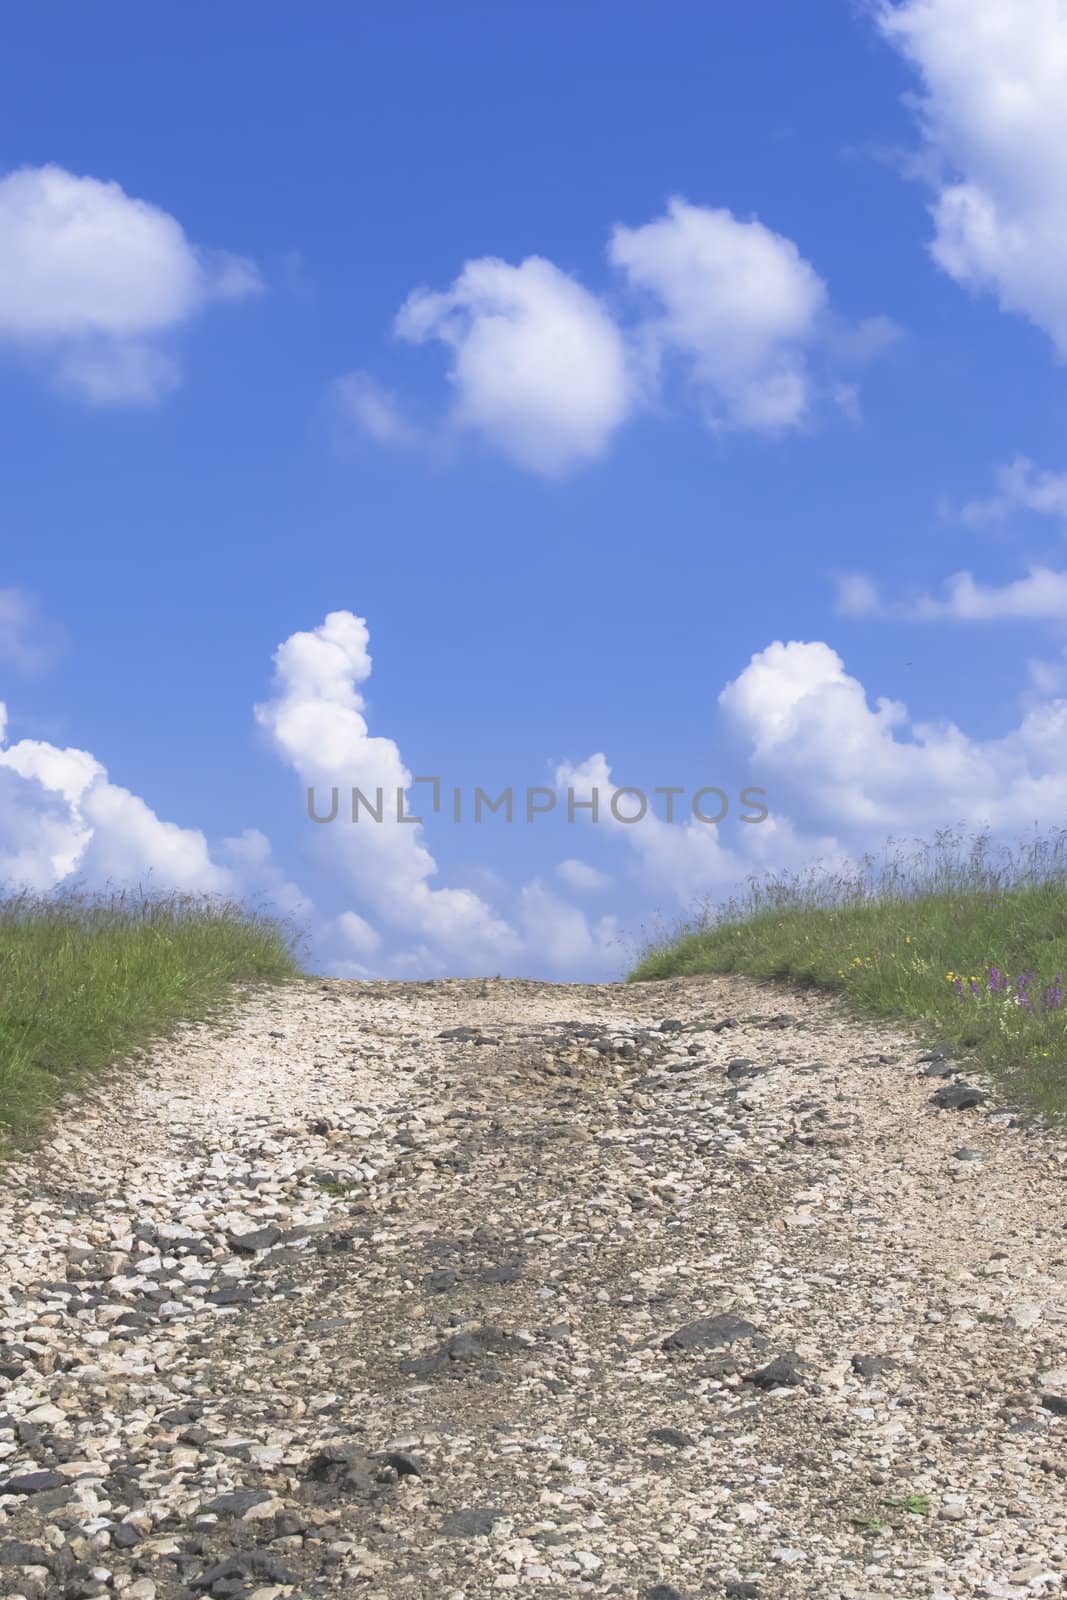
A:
[85,980]
[964,938]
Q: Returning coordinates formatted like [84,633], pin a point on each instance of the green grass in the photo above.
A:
[891,934]
[86,980]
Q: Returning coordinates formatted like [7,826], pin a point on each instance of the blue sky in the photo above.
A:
[605,364]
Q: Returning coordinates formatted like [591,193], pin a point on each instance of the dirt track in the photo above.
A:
[332,1303]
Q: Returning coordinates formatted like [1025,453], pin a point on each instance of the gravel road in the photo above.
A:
[443,1290]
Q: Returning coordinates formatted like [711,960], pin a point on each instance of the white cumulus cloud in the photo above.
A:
[62,817]
[93,282]
[537,364]
[316,723]
[547,372]
[737,301]
[63,820]
[861,772]
[993,114]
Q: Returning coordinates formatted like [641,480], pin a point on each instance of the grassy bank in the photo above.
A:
[967,940]
[84,980]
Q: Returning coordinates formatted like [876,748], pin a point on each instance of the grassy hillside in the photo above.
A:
[83,980]
[967,940]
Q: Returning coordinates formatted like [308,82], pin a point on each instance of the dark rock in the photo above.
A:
[710,1333]
[471,1524]
[258,1239]
[441,1280]
[14,1553]
[664,1591]
[1056,1403]
[124,1535]
[671,1025]
[958,1097]
[342,1466]
[782,1372]
[402,1462]
[460,1350]
[287,1524]
[233,1294]
[52,1499]
[671,1436]
[742,1067]
[182,1415]
[33,1483]
[237,1502]
[504,1274]
[726,1022]
[872,1366]
[690,1065]
[227,1577]
[741,1591]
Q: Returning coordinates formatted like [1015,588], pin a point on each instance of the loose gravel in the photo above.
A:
[448,1289]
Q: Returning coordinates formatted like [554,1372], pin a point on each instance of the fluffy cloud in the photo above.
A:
[542,370]
[860,772]
[682,858]
[564,940]
[994,121]
[689,862]
[92,280]
[842,774]
[316,724]
[63,820]
[537,365]
[61,817]
[737,301]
